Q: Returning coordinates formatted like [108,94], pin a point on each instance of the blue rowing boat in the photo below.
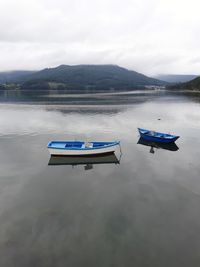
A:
[74,148]
[157,137]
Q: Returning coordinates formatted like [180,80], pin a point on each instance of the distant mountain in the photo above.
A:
[91,77]
[14,76]
[81,77]
[175,78]
[191,85]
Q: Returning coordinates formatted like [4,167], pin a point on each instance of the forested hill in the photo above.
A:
[87,76]
[191,85]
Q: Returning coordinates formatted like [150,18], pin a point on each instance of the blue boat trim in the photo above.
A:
[157,136]
[77,145]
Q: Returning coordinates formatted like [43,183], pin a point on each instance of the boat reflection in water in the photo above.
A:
[86,160]
[154,145]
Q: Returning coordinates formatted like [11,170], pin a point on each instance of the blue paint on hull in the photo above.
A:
[157,137]
[80,145]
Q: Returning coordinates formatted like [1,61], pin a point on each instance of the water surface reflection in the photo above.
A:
[166,146]
[141,212]
[88,161]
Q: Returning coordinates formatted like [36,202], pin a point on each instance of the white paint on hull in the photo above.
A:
[65,152]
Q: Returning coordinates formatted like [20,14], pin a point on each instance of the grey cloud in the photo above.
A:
[147,36]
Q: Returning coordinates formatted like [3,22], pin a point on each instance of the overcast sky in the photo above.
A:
[149,36]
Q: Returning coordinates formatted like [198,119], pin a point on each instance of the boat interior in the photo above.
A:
[156,134]
[77,144]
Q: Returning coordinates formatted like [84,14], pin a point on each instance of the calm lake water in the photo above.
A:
[141,212]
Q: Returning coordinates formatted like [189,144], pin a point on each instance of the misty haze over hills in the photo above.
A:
[175,78]
[14,76]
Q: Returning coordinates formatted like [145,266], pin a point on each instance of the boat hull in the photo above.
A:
[166,138]
[157,139]
[74,151]
[167,146]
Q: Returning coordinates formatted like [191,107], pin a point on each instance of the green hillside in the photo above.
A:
[80,77]
[90,77]
[191,85]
